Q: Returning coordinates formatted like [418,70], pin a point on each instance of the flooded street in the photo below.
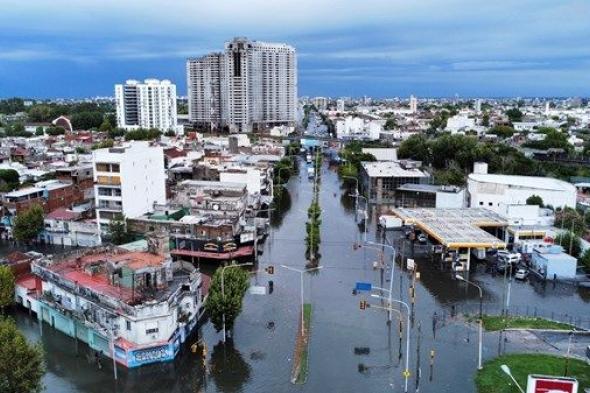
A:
[350,349]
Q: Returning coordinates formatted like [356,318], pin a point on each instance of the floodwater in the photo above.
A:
[351,350]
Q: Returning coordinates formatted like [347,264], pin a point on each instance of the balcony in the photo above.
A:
[108,180]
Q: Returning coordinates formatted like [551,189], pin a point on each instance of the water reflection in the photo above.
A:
[281,205]
[228,369]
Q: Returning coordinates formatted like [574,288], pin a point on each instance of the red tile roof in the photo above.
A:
[62,214]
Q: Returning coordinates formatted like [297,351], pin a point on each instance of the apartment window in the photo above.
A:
[481,203]
[490,204]
[115,168]
[128,325]
[151,331]
[102,167]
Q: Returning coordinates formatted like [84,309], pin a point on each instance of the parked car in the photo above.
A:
[521,274]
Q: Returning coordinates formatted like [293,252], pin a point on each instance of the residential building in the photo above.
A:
[49,194]
[413,104]
[128,180]
[252,85]
[151,104]
[429,195]
[340,105]
[493,191]
[135,307]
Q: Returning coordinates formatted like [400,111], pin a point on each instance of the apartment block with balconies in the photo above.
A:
[128,180]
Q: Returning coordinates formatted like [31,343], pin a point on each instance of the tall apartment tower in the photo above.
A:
[151,104]
[413,104]
[252,85]
[205,77]
[128,180]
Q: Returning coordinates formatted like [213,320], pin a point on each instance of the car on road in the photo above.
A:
[521,274]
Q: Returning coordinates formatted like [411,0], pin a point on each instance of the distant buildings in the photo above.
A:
[251,85]
[151,104]
[340,105]
[128,180]
[413,104]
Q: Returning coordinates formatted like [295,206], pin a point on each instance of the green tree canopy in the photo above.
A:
[570,220]
[40,113]
[87,120]
[6,286]
[118,229]
[514,115]
[10,176]
[21,364]
[28,224]
[570,242]
[502,131]
[143,135]
[535,200]
[106,125]
[53,131]
[236,282]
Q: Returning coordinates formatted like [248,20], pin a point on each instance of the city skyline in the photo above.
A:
[375,48]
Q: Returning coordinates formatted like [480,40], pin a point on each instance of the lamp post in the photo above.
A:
[366,216]
[407,370]
[506,370]
[301,288]
[223,290]
[392,271]
[479,345]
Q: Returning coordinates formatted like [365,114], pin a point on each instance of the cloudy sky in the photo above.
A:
[80,48]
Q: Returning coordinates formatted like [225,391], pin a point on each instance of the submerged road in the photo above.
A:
[350,350]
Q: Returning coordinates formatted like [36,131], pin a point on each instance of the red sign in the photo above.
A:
[542,384]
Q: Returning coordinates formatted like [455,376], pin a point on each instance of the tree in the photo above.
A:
[485,120]
[570,242]
[118,229]
[39,131]
[28,224]
[236,283]
[514,115]
[106,125]
[6,286]
[390,124]
[585,260]
[87,120]
[535,200]
[53,131]
[502,131]
[570,220]
[143,135]
[9,176]
[21,364]
[415,147]
[40,113]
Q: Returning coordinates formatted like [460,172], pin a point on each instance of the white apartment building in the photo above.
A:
[495,191]
[151,104]
[358,128]
[128,180]
[413,104]
[340,105]
[251,85]
[460,122]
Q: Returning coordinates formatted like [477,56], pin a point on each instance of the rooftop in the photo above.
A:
[538,182]
[391,169]
[456,228]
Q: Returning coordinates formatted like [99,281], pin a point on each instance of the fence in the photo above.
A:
[580,321]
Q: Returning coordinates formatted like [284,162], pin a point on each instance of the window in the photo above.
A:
[151,331]
[490,204]
[481,203]
[128,325]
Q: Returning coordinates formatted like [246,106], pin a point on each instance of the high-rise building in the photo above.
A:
[151,104]
[413,104]
[128,180]
[205,77]
[251,85]
[478,105]
[340,105]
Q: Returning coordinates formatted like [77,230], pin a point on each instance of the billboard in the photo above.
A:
[547,384]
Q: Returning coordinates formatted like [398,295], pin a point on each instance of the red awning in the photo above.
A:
[241,252]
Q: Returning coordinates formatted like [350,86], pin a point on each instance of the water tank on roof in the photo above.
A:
[480,168]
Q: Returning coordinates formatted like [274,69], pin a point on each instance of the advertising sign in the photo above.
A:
[150,355]
[547,384]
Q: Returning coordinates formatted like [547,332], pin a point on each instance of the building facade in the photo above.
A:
[128,180]
[135,307]
[251,85]
[151,104]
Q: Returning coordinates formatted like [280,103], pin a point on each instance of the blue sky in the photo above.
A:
[68,48]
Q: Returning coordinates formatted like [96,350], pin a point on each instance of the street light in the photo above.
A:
[506,370]
[407,370]
[301,281]
[223,289]
[479,344]
[392,270]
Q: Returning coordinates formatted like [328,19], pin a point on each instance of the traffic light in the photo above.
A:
[270,269]
[271,287]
